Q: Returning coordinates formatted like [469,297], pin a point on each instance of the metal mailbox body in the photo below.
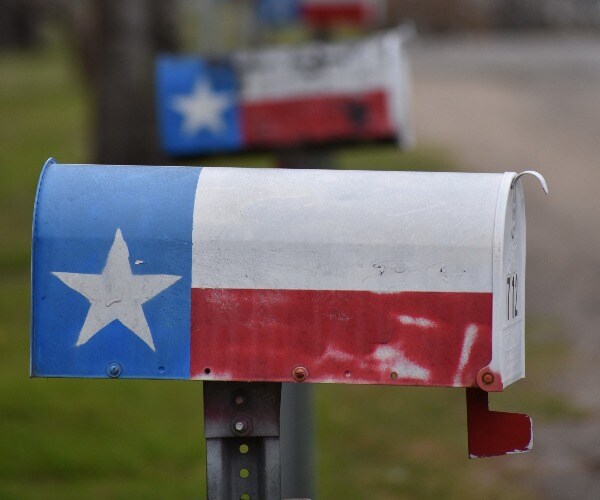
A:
[407,278]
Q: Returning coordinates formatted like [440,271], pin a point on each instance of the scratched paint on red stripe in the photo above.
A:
[299,120]
[425,338]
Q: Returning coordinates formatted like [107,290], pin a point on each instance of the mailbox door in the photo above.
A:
[508,347]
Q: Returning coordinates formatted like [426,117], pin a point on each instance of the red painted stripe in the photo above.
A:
[316,119]
[327,16]
[341,336]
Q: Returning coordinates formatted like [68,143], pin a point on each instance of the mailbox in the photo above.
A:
[228,274]
[288,96]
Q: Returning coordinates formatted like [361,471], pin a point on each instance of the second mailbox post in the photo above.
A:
[257,276]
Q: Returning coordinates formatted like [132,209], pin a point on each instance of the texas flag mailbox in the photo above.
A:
[227,274]
[316,94]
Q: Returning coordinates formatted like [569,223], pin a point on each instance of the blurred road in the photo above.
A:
[522,103]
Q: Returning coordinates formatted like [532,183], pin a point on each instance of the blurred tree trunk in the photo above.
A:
[19,21]
[118,42]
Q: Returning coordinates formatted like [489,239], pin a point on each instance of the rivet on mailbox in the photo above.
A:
[350,277]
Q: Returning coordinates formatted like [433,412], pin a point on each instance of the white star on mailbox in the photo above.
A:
[117,294]
[202,109]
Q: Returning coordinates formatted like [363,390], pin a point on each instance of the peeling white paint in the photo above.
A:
[332,354]
[395,360]
[416,321]
[221,376]
[469,340]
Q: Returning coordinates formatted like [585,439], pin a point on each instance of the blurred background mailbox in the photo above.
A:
[280,97]
[271,275]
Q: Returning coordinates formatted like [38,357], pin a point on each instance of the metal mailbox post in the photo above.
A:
[246,278]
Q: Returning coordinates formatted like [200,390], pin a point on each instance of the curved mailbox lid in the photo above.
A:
[359,277]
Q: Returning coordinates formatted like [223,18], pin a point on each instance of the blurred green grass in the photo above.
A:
[144,439]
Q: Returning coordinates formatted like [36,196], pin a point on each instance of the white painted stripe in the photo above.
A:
[343,230]
[319,69]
